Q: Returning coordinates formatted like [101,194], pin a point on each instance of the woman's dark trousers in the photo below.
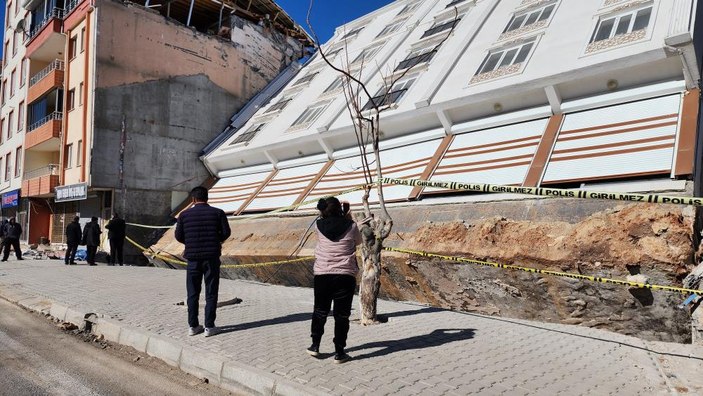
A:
[329,288]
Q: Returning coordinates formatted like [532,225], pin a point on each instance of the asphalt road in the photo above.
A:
[38,358]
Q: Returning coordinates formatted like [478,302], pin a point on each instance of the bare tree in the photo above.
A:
[365,113]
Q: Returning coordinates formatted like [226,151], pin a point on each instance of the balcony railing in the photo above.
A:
[70,6]
[49,170]
[55,13]
[440,28]
[57,115]
[55,65]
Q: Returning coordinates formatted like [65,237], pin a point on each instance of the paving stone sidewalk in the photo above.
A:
[420,350]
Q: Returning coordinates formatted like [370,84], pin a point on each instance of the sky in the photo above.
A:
[326,14]
[2,22]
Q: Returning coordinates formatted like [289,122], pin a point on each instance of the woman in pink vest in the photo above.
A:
[335,274]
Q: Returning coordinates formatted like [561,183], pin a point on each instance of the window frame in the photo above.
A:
[504,52]
[351,34]
[71,100]
[248,134]
[423,54]
[21,116]
[72,47]
[23,72]
[391,28]
[68,161]
[527,13]
[8,168]
[617,18]
[310,115]
[373,50]
[306,79]
[13,82]
[10,122]
[444,22]
[18,162]
[408,8]
[401,88]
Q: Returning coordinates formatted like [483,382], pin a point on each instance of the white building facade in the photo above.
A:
[563,93]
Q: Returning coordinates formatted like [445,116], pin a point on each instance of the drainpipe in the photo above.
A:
[86,68]
[64,121]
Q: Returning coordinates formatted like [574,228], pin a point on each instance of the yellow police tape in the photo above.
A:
[183,263]
[545,192]
[265,214]
[547,272]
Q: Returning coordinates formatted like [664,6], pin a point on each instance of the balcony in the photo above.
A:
[50,78]
[45,40]
[44,135]
[40,182]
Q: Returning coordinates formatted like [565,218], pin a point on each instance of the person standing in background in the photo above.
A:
[116,231]
[73,239]
[91,239]
[12,232]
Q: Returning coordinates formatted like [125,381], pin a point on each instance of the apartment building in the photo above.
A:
[108,103]
[568,93]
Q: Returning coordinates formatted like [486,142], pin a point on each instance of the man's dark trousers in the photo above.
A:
[15,243]
[196,270]
[71,250]
[90,257]
[116,249]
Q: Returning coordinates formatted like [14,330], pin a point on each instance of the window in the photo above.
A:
[392,28]
[8,168]
[353,33]
[79,154]
[13,78]
[10,124]
[249,134]
[409,8]
[333,53]
[338,83]
[306,79]
[440,27]
[368,53]
[23,72]
[5,52]
[14,43]
[20,117]
[528,18]
[454,2]
[385,98]
[69,156]
[507,57]
[18,161]
[80,94]
[71,100]
[82,39]
[417,57]
[629,22]
[310,114]
[4,88]
[72,47]
[280,105]
[2,130]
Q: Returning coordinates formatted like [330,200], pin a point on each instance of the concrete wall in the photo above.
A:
[166,90]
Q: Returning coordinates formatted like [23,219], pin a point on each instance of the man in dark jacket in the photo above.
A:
[12,232]
[73,238]
[91,239]
[116,234]
[202,229]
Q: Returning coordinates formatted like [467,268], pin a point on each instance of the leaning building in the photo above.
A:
[594,95]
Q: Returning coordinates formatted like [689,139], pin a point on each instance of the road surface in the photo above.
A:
[38,358]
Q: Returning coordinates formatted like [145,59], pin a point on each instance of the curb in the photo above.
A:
[230,375]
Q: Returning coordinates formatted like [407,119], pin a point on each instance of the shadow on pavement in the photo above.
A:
[384,317]
[435,338]
[298,317]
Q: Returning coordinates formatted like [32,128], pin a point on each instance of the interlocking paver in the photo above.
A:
[419,351]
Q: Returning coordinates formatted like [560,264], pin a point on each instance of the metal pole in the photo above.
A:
[168,10]
[219,22]
[190,12]
[146,4]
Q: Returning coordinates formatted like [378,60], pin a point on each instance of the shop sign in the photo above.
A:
[72,192]
[10,199]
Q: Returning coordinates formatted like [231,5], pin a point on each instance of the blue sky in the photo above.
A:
[2,22]
[326,14]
